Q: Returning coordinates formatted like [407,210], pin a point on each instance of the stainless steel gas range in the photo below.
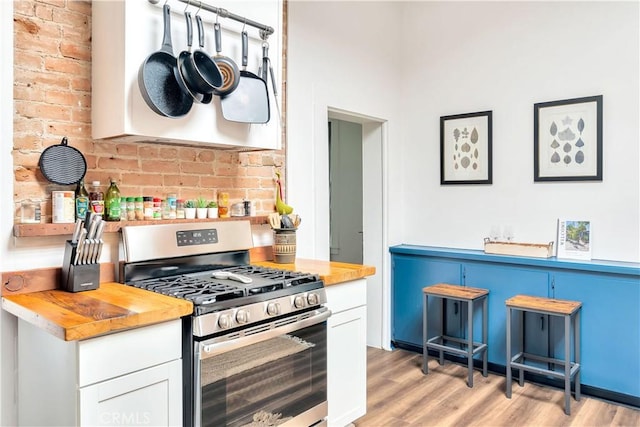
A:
[255,348]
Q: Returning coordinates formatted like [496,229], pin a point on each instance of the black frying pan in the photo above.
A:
[181,73]
[157,81]
[249,102]
[228,68]
[198,69]
[62,164]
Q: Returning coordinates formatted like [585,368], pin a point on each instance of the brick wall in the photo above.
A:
[52,99]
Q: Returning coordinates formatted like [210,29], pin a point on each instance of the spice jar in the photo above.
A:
[139,208]
[148,207]
[131,208]
[157,208]
[223,205]
[164,208]
[180,209]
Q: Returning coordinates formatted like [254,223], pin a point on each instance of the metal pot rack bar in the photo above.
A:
[265,30]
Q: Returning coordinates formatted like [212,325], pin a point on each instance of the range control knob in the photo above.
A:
[242,317]
[313,299]
[273,309]
[224,321]
[299,301]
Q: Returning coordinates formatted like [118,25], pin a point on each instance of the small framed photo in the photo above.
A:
[465,148]
[567,140]
[574,239]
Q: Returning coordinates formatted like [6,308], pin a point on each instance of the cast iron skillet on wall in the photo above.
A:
[157,81]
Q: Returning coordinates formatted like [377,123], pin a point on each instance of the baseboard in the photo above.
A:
[597,392]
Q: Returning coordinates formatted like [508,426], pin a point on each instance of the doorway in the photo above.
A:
[357,229]
[345,191]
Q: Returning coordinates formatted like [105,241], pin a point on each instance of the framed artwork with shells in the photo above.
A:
[465,148]
[567,140]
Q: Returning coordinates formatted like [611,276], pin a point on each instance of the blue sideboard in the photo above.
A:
[609,292]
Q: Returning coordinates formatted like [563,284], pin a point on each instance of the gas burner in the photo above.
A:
[204,289]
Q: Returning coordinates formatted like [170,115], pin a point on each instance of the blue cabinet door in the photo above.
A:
[410,274]
[610,328]
[504,282]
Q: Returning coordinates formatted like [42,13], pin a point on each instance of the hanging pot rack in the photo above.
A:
[265,30]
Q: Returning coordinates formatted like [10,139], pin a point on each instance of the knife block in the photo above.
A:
[78,277]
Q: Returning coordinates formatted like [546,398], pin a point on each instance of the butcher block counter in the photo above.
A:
[330,272]
[110,308]
[115,307]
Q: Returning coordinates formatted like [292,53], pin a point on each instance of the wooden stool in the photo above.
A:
[570,310]
[442,341]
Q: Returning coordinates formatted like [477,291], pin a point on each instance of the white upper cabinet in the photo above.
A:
[125,33]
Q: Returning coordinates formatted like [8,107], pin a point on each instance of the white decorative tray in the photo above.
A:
[535,250]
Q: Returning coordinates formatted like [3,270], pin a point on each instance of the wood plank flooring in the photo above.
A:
[399,395]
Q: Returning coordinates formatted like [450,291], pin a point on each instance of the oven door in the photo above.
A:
[271,374]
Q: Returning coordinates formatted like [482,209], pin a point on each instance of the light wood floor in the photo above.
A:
[399,395]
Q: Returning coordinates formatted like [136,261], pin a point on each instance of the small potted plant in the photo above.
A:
[201,207]
[212,209]
[189,209]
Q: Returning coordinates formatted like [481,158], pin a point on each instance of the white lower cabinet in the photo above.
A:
[347,352]
[132,377]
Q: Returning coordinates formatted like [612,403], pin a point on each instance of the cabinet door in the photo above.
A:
[347,366]
[152,396]
[503,282]
[409,275]
[610,328]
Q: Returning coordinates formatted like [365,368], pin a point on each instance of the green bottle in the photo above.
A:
[82,200]
[112,203]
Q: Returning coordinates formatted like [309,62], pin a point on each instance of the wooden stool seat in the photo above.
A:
[570,311]
[444,343]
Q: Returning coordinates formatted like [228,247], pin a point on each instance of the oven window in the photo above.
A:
[266,383]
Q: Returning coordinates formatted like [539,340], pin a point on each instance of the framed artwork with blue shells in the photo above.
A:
[466,148]
[567,140]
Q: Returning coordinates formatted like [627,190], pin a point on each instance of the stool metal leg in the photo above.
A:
[425,351]
[508,391]
[484,335]
[470,342]
[521,344]
[443,327]
[576,349]
[567,364]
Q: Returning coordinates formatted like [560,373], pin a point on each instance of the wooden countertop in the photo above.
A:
[114,307]
[81,315]
[331,273]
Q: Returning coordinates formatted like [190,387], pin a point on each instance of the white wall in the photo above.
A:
[340,56]
[505,56]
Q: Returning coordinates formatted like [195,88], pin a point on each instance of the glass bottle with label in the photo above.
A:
[96,198]
[112,203]
[82,200]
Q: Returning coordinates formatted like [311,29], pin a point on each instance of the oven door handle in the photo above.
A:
[223,344]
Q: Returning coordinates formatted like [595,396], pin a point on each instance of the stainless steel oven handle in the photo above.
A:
[222,344]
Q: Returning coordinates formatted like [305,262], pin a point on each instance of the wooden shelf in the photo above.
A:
[39,230]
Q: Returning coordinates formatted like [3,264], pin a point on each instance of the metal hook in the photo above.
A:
[199,7]
[187,6]
[244,25]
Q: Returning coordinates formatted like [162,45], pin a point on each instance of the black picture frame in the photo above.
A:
[567,140]
[466,155]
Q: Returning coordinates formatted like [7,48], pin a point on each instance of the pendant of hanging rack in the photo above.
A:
[265,30]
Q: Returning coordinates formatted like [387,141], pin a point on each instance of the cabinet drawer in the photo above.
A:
[347,295]
[117,354]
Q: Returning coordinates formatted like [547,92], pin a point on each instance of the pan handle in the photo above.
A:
[218,37]
[200,31]
[167,46]
[264,70]
[187,17]
[245,49]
